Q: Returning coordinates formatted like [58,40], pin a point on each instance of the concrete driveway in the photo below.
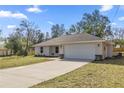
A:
[26,76]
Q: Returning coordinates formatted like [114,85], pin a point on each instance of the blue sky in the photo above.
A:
[46,16]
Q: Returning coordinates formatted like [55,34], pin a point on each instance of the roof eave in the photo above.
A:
[64,43]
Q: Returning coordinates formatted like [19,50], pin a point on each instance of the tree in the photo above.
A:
[1,38]
[13,43]
[94,23]
[57,30]
[36,37]
[0,32]
[31,34]
[118,33]
[47,37]
[77,28]
[24,36]
[40,37]
[118,36]
[72,29]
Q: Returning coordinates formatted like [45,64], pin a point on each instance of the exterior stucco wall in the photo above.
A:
[37,51]
[98,48]
[61,49]
[5,53]
[1,53]
[107,50]
[110,50]
[52,51]
[45,51]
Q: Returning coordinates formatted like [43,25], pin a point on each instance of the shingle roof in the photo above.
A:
[3,49]
[69,39]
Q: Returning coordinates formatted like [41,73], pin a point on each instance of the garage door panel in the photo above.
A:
[81,51]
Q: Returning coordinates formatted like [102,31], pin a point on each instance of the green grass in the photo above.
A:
[14,61]
[108,73]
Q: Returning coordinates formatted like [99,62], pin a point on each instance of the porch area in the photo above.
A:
[50,51]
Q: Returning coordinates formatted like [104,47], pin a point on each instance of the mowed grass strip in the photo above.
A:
[98,74]
[15,61]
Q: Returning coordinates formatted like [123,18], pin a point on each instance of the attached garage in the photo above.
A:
[80,51]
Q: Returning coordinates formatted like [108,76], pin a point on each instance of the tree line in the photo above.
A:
[28,33]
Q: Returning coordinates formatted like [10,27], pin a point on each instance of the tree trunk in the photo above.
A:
[27,44]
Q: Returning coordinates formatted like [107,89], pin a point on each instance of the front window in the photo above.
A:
[41,49]
[57,50]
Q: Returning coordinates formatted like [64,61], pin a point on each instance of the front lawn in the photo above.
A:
[107,73]
[14,61]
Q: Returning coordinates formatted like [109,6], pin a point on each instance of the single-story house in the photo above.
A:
[4,51]
[77,46]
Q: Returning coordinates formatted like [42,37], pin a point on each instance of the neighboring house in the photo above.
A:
[117,46]
[78,46]
[4,51]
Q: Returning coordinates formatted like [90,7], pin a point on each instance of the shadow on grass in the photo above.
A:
[114,61]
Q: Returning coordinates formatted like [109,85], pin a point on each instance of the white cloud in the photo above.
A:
[121,18]
[11,26]
[105,8]
[50,22]
[9,14]
[34,9]
[113,24]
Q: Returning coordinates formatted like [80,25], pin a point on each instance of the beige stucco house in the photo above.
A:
[77,46]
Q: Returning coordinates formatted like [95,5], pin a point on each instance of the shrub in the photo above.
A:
[20,52]
[32,52]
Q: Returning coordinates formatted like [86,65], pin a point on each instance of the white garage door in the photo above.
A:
[80,51]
